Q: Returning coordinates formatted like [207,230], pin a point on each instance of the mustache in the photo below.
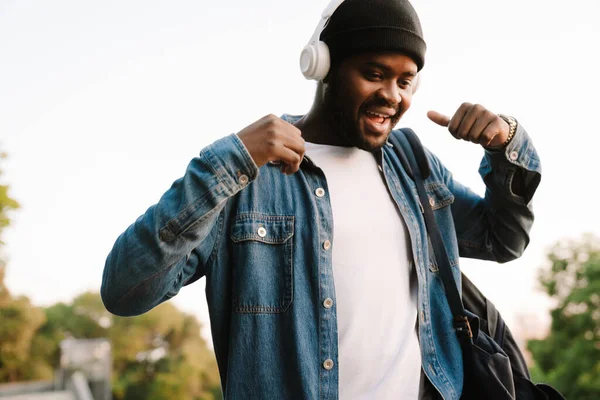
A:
[379,102]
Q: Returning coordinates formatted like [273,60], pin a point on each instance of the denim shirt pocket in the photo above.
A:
[262,250]
[440,198]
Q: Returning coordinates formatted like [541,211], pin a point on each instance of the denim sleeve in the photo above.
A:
[497,226]
[171,242]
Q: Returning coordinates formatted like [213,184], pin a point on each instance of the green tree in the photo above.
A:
[82,319]
[157,355]
[7,203]
[161,355]
[569,357]
[19,319]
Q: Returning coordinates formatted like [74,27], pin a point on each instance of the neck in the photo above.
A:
[316,126]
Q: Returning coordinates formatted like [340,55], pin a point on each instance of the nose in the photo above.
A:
[390,92]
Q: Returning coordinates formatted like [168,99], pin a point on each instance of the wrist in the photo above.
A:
[512,130]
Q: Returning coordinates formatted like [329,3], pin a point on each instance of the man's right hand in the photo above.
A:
[273,139]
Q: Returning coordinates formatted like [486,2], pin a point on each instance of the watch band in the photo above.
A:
[512,124]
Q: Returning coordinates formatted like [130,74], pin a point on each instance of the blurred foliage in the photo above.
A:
[569,357]
[19,319]
[7,203]
[158,355]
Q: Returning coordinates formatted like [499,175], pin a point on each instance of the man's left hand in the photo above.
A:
[474,123]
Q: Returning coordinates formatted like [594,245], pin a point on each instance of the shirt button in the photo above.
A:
[431,201]
[243,179]
[327,245]
[328,303]
[320,192]
[328,364]
[262,232]
[513,155]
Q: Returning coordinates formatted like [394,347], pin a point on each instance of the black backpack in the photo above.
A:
[494,366]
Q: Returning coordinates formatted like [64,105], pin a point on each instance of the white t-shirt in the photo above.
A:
[375,285]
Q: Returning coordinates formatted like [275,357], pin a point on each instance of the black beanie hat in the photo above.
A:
[359,26]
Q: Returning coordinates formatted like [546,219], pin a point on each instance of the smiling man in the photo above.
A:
[310,236]
[362,101]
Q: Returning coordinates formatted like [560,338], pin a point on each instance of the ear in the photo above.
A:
[416,82]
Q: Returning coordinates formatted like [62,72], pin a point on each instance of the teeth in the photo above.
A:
[380,117]
[377,115]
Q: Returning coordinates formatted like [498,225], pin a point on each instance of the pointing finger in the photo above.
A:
[438,118]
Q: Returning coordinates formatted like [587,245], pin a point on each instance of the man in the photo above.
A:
[302,310]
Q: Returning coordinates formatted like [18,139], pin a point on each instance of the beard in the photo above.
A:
[342,119]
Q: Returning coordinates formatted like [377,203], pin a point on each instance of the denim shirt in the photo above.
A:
[258,237]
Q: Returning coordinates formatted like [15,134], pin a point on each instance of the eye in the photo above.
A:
[373,75]
[404,83]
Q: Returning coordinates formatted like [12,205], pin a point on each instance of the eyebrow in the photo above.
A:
[387,68]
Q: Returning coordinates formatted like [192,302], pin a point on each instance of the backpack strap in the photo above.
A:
[407,146]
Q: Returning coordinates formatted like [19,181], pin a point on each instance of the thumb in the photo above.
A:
[438,118]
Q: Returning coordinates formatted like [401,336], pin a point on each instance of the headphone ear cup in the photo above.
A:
[315,61]
[416,82]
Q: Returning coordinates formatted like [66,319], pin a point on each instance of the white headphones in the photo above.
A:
[315,59]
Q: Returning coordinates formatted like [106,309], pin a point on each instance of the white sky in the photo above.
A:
[103,104]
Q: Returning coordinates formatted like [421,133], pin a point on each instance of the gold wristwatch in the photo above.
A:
[512,124]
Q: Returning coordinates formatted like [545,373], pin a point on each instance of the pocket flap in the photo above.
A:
[439,195]
[271,229]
